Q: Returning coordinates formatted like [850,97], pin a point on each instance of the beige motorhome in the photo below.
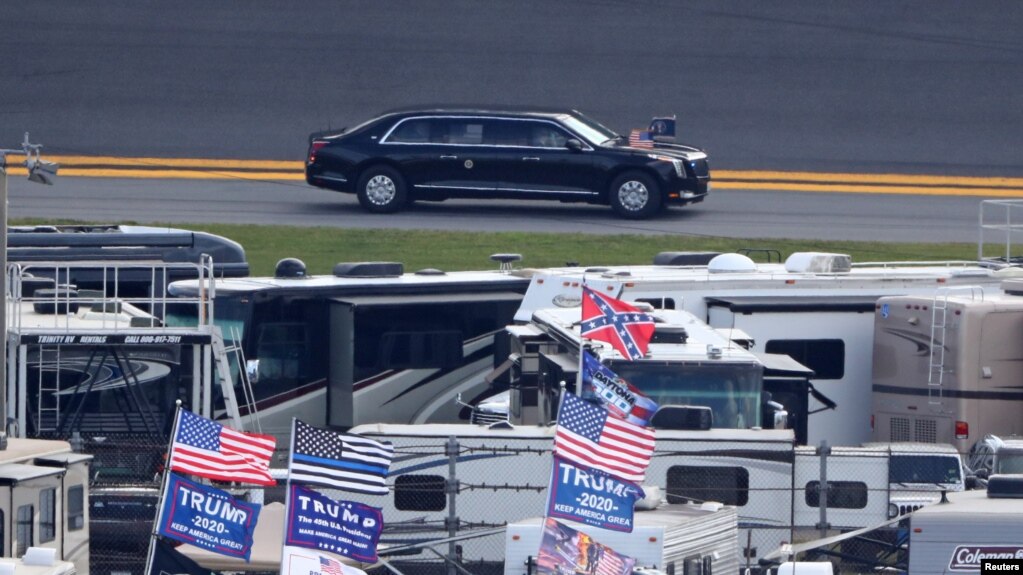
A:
[44,490]
[949,368]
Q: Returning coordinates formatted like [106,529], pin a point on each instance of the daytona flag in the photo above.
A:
[618,396]
[605,318]
[207,449]
[589,436]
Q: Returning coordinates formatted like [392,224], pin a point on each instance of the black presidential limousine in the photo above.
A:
[435,154]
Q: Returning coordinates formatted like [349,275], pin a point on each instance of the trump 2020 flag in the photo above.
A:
[590,436]
[207,517]
[207,449]
[339,460]
[618,396]
[605,318]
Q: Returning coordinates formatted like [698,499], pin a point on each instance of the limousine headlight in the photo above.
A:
[680,166]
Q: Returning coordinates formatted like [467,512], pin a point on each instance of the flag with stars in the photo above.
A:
[590,436]
[345,528]
[605,318]
[207,449]
[339,460]
[300,561]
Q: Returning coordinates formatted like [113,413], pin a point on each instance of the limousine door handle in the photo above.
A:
[531,159]
[449,157]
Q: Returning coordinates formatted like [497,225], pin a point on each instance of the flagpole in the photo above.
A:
[287,494]
[579,374]
[163,489]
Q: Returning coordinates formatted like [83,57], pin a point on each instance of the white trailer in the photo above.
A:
[670,538]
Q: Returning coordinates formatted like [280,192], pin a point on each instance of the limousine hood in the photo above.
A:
[680,151]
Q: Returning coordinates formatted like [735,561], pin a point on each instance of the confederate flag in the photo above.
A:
[605,318]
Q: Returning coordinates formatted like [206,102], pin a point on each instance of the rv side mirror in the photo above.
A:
[780,416]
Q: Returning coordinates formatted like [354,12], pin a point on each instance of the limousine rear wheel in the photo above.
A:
[381,189]
[635,195]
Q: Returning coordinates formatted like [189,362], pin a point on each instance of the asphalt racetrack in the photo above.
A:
[873,89]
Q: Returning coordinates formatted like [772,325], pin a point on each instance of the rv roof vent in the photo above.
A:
[684,258]
[1006,486]
[505,258]
[818,262]
[61,300]
[617,274]
[430,272]
[683,417]
[669,334]
[725,263]
[290,268]
[369,269]
[1013,287]
[596,270]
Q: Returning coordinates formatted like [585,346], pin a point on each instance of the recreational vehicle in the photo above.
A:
[817,308]
[947,367]
[369,343]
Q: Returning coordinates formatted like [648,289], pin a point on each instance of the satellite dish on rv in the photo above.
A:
[725,263]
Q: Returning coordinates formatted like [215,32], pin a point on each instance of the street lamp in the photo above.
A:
[40,172]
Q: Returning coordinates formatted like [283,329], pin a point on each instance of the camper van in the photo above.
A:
[369,343]
[947,367]
[817,308]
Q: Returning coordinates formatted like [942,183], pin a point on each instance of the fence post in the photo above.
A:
[824,450]
[451,488]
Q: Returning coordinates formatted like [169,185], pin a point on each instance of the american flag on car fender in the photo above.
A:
[641,139]
[590,436]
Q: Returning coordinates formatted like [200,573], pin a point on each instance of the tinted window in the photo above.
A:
[826,357]
[728,485]
[411,132]
[546,135]
[464,131]
[24,528]
[419,493]
[47,515]
[923,469]
[841,495]
[506,133]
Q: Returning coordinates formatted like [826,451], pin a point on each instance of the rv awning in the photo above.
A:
[781,365]
[752,304]
[426,299]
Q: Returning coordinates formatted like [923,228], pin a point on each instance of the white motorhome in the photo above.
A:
[817,308]
[947,367]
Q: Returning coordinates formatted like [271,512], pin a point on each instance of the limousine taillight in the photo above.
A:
[314,146]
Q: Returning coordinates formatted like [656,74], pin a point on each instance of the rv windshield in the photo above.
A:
[230,314]
[924,469]
[1009,461]
[731,390]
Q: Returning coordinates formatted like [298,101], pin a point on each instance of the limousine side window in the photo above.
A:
[468,131]
[416,131]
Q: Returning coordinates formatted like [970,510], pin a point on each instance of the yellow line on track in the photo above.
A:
[833,182]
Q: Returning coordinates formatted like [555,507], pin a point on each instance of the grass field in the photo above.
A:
[321,248]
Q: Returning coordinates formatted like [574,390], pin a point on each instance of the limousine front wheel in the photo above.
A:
[635,195]
[381,189]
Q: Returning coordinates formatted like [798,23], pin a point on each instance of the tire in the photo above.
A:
[382,190]
[635,195]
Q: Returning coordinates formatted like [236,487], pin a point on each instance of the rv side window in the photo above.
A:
[75,508]
[728,485]
[841,495]
[24,528]
[659,302]
[826,357]
[419,493]
[923,469]
[47,515]
[281,351]
[692,566]
[420,349]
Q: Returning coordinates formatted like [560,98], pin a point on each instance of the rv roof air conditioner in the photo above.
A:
[57,301]
[818,262]
[683,417]
[290,268]
[369,269]
[731,263]
[430,272]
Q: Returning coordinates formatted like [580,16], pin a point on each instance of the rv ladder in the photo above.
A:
[939,318]
[226,381]
[48,402]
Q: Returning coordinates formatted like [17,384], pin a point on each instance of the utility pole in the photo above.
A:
[42,173]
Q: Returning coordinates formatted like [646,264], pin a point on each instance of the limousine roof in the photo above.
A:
[537,112]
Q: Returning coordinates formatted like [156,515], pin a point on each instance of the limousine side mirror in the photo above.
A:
[574,145]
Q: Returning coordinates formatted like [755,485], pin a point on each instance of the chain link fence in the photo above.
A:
[811,493]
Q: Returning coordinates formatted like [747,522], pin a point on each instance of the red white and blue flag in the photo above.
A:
[617,395]
[605,318]
[590,436]
[641,139]
[207,449]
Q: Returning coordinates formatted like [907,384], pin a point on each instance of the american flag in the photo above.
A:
[605,318]
[612,563]
[339,460]
[590,436]
[641,139]
[330,566]
[207,449]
